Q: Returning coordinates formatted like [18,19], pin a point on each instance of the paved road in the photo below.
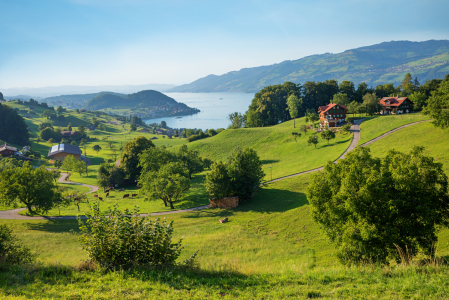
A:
[355,129]
[13,214]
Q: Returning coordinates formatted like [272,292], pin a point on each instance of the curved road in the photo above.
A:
[355,129]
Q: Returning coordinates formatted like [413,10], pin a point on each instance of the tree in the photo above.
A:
[44,125]
[438,106]
[133,127]
[47,133]
[294,104]
[366,205]
[47,114]
[50,141]
[327,135]
[82,130]
[341,99]
[313,140]
[407,86]
[130,155]
[212,132]
[303,128]
[419,100]
[69,162]
[218,181]
[13,128]
[163,124]
[296,134]
[353,107]
[96,148]
[69,127]
[347,87]
[34,187]
[371,103]
[56,175]
[236,119]
[245,170]
[191,159]
[311,116]
[73,143]
[152,159]
[59,110]
[57,163]
[269,105]
[168,184]
[346,128]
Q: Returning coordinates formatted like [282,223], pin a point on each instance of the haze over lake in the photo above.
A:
[214,112]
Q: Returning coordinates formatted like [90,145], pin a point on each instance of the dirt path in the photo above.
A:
[355,129]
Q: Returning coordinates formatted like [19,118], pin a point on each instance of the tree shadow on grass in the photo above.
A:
[181,280]
[333,144]
[55,226]
[269,161]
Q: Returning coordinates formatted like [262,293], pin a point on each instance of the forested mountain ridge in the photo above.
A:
[376,64]
[144,104]
[75,100]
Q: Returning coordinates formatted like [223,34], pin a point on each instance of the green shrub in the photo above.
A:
[119,240]
[11,251]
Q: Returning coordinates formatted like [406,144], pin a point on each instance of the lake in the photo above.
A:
[214,112]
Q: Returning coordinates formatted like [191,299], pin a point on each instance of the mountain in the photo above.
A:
[376,64]
[145,104]
[51,91]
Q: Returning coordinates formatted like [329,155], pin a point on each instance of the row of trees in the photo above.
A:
[279,103]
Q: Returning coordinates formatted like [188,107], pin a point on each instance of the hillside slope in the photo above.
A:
[384,62]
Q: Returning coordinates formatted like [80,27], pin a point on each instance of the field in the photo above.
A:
[379,125]
[276,147]
[270,249]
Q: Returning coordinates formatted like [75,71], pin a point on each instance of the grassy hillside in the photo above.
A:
[378,125]
[386,62]
[276,147]
[270,249]
[435,140]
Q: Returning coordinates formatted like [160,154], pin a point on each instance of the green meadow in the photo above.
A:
[270,249]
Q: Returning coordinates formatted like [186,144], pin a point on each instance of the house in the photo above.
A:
[332,114]
[154,138]
[61,151]
[6,150]
[144,130]
[68,133]
[400,105]
[91,127]
[159,132]
[97,115]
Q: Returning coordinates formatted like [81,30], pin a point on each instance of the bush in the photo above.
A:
[346,127]
[119,240]
[11,252]
[196,137]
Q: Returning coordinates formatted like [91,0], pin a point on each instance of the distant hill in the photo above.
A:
[76,100]
[376,64]
[145,104]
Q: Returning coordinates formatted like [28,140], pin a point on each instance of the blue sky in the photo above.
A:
[115,42]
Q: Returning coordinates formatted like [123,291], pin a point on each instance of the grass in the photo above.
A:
[435,140]
[378,125]
[276,147]
[270,249]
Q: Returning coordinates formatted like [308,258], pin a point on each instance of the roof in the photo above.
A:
[64,148]
[329,106]
[394,101]
[66,132]
[7,147]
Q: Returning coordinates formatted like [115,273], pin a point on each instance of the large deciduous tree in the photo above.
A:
[168,184]
[438,106]
[191,159]
[236,119]
[371,103]
[366,205]
[33,187]
[12,127]
[130,155]
[328,135]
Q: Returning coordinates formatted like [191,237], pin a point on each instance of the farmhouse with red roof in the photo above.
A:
[400,105]
[332,114]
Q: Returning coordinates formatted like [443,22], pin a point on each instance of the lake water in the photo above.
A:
[214,112]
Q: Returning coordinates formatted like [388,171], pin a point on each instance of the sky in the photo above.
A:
[134,42]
